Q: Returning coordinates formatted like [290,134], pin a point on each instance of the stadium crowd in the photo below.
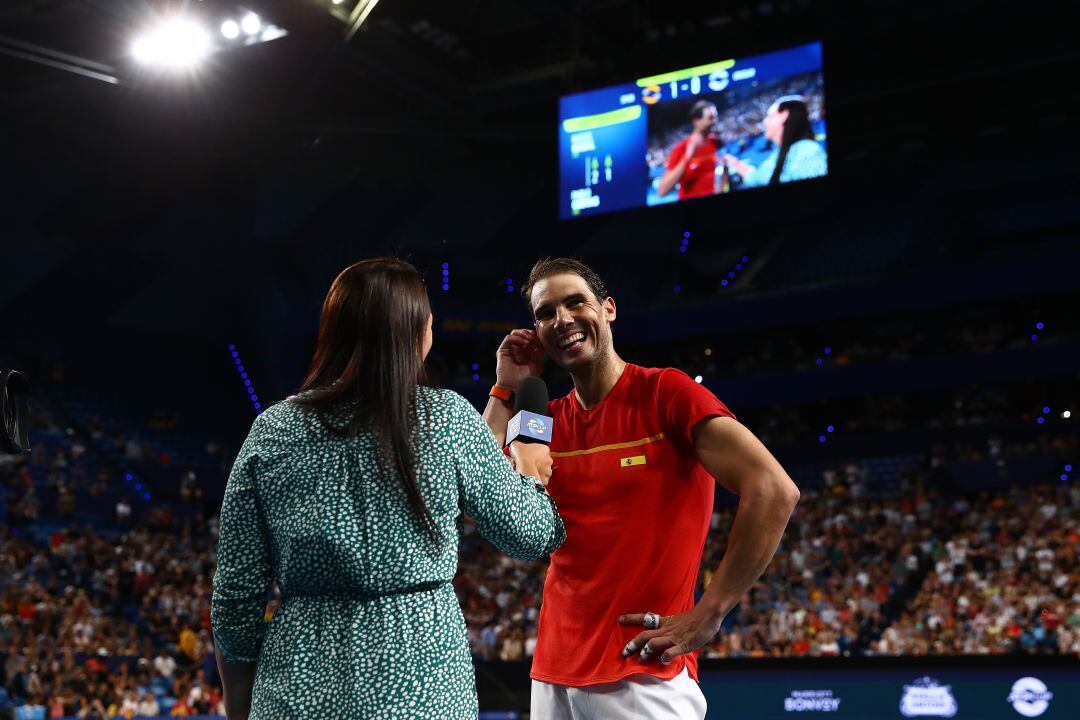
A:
[104,594]
[1006,580]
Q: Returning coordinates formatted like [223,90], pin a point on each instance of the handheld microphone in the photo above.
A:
[530,422]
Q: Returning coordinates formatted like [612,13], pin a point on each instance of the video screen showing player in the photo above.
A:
[693,133]
[749,137]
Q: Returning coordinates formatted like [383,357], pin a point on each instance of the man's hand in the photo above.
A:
[677,634]
[519,356]
[693,143]
[734,163]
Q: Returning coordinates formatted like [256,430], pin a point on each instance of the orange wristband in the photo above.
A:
[503,393]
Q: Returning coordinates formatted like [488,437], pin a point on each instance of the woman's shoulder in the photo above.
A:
[806,159]
[282,413]
[281,422]
[443,408]
[806,148]
[442,399]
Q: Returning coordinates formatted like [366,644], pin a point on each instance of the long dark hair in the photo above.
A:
[369,352]
[796,128]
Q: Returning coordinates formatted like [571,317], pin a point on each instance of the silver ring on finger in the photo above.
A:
[651,620]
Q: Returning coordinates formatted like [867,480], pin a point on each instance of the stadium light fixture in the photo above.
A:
[177,43]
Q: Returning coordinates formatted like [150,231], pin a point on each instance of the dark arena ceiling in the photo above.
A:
[231,197]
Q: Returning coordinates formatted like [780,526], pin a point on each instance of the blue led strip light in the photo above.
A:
[140,489]
[239,364]
[735,270]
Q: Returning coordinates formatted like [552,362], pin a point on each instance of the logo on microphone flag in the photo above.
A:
[529,426]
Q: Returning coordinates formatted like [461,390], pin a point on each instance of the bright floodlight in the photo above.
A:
[176,43]
[230,29]
[338,2]
[251,23]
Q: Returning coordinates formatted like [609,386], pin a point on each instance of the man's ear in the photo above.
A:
[609,308]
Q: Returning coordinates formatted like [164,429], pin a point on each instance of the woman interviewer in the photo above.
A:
[798,156]
[349,495]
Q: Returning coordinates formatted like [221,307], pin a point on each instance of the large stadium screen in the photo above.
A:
[706,130]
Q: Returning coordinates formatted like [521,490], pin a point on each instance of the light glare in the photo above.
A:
[272,32]
[230,29]
[176,43]
[251,23]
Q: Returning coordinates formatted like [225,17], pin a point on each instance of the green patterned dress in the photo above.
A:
[368,626]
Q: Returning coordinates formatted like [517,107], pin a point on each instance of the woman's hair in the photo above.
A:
[368,361]
[796,128]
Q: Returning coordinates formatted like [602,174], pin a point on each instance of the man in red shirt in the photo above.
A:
[637,451]
[692,162]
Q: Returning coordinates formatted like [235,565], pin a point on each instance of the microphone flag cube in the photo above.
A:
[529,427]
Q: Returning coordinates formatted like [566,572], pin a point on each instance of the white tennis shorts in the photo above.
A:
[638,697]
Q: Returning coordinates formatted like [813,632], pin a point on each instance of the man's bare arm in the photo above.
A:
[767,497]
[497,414]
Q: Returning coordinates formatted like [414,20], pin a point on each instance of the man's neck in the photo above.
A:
[594,383]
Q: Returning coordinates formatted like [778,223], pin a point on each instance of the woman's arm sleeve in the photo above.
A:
[511,510]
[244,570]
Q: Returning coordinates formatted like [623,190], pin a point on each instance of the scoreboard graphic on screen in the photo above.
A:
[706,130]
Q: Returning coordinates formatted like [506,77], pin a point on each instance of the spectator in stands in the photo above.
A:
[148,705]
[164,665]
[92,709]
[123,512]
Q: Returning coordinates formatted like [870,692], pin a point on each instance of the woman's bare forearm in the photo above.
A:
[237,682]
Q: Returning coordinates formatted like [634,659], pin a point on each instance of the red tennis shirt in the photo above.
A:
[636,504]
[699,178]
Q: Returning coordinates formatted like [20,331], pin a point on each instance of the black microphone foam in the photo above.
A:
[531,395]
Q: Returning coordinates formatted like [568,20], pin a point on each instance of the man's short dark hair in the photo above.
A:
[547,267]
[698,109]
